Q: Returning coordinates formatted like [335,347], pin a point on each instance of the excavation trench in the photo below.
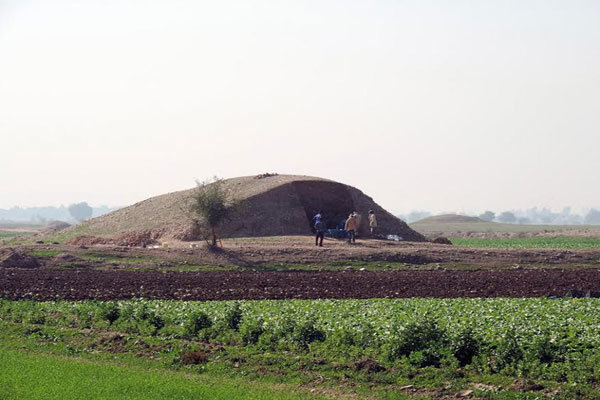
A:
[331,199]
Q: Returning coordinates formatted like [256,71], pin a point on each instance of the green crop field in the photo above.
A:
[537,242]
[24,375]
[379,347]
[12,233]
[447,227]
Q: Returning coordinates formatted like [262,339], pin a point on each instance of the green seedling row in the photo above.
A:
[537,242]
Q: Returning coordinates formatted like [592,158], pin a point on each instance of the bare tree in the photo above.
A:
[212,206]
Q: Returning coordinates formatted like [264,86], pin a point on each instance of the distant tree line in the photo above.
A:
[41,215]
[529,216]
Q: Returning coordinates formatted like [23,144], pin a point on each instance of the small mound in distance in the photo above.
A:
[273,205]
[449,219]
[55,226]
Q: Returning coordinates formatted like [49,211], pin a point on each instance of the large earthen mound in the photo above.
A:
[272,205]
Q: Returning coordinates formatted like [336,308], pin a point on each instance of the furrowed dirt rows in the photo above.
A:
[45,284]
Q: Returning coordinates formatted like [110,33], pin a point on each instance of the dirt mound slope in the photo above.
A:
[13,258]
[273,205]
[132,238]
[232,285]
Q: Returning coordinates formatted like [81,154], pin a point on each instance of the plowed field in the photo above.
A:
[46,284]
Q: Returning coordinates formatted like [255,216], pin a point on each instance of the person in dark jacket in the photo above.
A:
[320,228]
[314,221]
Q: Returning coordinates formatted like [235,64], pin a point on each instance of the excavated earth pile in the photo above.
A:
[272,205]
[14,258]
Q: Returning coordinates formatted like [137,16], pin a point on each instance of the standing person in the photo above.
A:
[314,221]
[317,217]
[320,228]
[358,219]
[372,221]
[351,226]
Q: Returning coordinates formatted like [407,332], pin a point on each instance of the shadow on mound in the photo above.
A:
[330,198]
[288,209]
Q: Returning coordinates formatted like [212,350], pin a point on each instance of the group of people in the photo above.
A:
[351,226]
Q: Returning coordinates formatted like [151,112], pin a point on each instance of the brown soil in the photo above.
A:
[442,240]
[301,250]
[130,239]
[193,358]
[493,272]
[46,284]
[368,365]
[13,258]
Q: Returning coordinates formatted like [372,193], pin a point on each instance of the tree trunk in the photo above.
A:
[214,236]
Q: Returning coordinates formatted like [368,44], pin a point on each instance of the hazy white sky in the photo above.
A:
[438,105]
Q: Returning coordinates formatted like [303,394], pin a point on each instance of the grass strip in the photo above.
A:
[40,376]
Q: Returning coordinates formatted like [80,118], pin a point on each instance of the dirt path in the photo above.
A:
[301,250]
[46,284]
